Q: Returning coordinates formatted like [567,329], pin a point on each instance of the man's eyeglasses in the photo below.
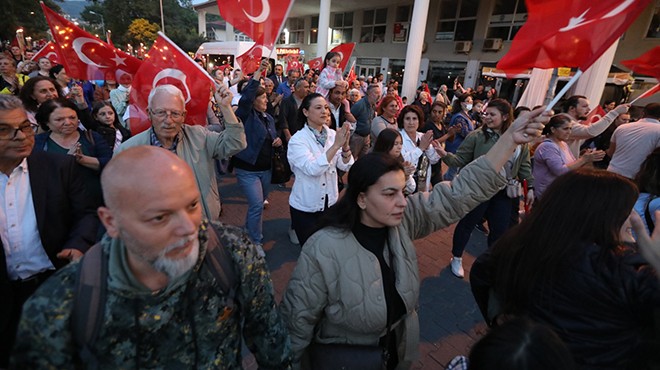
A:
[8,132]
[163,113]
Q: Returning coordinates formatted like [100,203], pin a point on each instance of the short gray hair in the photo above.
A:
[10,102]
[168,89]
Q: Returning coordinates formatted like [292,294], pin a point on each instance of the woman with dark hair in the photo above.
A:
[461,108]
[441,133]
[497,210]
[570,265]
[418,147]
[315,154]
[648,182]
[553,157]
[518,344]
[59,120]
[58,73]
[108,124]
[253,165]
[390,142]
[358,275]
[386,114]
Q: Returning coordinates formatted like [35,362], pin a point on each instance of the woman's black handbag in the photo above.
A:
[281,171]
[347,356]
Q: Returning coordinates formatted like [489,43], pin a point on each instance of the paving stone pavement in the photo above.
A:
[450,321]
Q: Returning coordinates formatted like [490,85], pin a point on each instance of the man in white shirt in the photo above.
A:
[632,143]
[46,217]
[577,107]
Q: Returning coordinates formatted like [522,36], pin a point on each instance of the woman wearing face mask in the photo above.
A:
[461,118]
[497,210]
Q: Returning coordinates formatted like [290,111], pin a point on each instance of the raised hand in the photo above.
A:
[529,125]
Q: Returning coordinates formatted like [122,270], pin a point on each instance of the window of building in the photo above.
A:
[402,23]
[457,20]
[654,27]
[240,36]
[295,28]
[314,31]
[373,25]
[508,17]
[342,28]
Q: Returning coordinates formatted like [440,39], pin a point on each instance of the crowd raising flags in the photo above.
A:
[84,56]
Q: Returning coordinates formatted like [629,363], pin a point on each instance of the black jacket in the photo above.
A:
[602,306]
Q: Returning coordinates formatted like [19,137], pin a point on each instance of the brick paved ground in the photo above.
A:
[450,321]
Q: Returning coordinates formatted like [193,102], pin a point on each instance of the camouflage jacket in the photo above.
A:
[183,326]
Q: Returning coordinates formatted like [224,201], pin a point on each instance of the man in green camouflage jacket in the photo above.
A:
[163,309]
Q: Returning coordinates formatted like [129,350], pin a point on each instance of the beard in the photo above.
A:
[174,268]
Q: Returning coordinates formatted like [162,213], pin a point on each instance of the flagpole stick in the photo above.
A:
[563,91]
[643,95]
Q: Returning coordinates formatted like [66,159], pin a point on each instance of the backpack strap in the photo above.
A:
[89,303]
[221,265]
[647,214]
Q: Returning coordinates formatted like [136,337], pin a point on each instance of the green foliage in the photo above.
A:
[26,14]
[180,20]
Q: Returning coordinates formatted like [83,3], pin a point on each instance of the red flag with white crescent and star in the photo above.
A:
[261,20]
[345,51]
[569,33]
[49,51]
[250,60]
[84,56]
[293,63]
[316,63]
[646,64]
[166,63]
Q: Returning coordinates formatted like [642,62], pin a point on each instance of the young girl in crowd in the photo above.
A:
[330,73]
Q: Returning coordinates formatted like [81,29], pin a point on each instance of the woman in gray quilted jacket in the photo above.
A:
[357,275]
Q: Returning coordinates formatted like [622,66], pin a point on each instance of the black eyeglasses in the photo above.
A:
[7,132]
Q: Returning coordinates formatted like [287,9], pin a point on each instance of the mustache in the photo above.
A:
[179,244]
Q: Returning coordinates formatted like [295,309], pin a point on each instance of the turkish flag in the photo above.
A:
[84,56]
[647,64]
[293,63]
[166,63]
[48,51]
[251,59]
[345,51]
[261,20]
[316,63]
[351,76]
[595,115]
[569,33]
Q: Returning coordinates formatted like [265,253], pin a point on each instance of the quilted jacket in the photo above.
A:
[336,294]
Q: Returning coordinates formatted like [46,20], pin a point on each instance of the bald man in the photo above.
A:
[163,306]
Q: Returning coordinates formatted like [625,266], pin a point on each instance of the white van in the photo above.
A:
[218,53]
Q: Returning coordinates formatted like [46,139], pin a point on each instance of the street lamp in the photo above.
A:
[102,20]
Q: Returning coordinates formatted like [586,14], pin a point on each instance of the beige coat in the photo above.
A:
[199,147]
[336,294]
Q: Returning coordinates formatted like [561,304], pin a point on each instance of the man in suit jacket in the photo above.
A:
[287,123]
[46,217]
[339,107]
[278,76]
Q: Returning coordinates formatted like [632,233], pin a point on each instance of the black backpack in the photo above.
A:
[91,289]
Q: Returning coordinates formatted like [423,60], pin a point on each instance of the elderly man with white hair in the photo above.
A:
[194,144]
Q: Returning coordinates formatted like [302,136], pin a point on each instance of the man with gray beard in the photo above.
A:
[163,305]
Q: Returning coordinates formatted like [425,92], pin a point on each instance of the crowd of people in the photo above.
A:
[114,256]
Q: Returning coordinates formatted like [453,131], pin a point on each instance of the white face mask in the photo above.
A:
[468,106]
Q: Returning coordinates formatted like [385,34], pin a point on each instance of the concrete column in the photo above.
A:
[593,80]
[414,49]
[324,24]
[471,73]
[229,32]
[201,22]
[384,66]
